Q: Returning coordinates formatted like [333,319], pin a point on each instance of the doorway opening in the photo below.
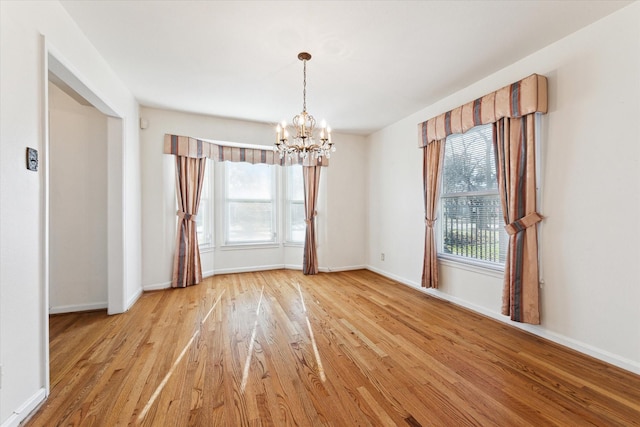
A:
[77,203]
[83,165]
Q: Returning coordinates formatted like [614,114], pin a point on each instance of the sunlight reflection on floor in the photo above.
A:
[156,393]
[313,340]
[247,363]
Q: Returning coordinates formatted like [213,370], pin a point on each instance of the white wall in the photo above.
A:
[590,262]
[342,242]
[78,205]
[341,236]
[590,300]
[22,208]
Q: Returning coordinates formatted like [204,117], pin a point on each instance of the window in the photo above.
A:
[294,223]
[471,225]
[249,203]
[204,219]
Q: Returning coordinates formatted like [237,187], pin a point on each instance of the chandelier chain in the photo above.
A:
[304,86]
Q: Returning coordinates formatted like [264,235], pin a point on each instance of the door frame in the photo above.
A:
[55,63]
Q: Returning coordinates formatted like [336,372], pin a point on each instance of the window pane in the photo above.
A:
[296,221]
[295,224]
[250,222]
[469,161]
[202,222]
[248,182]
[473,227]
[204,219]
[471,222]
[250,207]
[295,182]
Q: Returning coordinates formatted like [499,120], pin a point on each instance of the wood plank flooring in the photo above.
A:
[278,348]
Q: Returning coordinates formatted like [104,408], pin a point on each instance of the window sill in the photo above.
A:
[248,246]
[206,248]
[294,244]
[476,267]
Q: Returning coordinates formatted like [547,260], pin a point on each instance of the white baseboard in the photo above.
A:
[249,269]
[344,268]
[605,356]
[25,409]
[209,273]
[78,307]
[326,269]
[133,299]
[156,287]
[391,276]
[287,267]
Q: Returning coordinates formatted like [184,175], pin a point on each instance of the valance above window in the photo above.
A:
[187,146]
[518,99]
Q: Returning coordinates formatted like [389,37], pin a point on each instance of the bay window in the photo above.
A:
[249,203]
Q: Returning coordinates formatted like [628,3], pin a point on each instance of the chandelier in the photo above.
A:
[304,143]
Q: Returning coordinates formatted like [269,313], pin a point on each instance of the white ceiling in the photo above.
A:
[374,62]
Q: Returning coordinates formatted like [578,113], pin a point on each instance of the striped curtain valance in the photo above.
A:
[518,99]
[187,146]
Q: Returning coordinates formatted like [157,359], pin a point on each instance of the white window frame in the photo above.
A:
[206,215]
[225,211]
[290,202]
[461,260]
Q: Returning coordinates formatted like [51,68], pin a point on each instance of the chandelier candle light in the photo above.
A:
[304,143]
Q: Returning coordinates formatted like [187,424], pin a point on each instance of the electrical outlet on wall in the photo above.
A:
[382,256]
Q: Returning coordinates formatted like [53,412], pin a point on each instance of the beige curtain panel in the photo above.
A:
[187,269]
[311,177]
[432,161]
[514,140]
[511,110]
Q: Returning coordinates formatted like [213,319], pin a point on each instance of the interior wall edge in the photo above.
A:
[133,299]
[26,409]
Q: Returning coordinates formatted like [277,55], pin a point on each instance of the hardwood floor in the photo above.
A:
[277,348]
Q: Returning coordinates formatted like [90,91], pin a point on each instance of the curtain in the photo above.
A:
[514,144]
[191,154]
[432,161]
[187,270]
[311,178]
[512,110]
